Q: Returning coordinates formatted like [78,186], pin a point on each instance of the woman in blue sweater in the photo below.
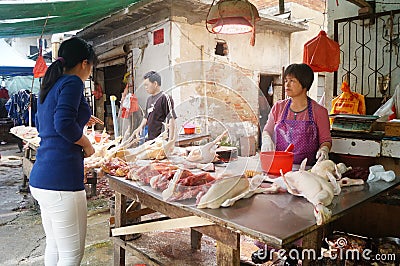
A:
[56,180]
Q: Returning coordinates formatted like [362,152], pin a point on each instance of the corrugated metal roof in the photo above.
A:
[19,18]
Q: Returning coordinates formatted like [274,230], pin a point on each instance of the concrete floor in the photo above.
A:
[21,232]
[23,239]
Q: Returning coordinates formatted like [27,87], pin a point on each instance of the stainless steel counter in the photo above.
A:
[277,219]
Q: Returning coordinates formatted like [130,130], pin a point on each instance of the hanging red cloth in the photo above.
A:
[98,91]
[322,54]
[40,67]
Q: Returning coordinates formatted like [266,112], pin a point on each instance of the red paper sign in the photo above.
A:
[158,36]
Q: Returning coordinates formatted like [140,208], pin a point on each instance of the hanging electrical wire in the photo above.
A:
[324,13]
[387,3]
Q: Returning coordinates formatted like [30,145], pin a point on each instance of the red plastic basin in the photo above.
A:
[188,130]
[273,161]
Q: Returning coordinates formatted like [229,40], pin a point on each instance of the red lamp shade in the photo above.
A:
[235,25]
[233,17]
[232,8]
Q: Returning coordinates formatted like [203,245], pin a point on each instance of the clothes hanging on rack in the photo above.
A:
[3,110]
[4,93]
[18,107]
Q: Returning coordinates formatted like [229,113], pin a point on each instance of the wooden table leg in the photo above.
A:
[228,255]
[311,246]
[195,239]
[120,220]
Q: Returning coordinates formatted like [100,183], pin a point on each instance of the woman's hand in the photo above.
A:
[94,120]
[88,150]
[322,154]
[87,147]
[137,132]
[267,143]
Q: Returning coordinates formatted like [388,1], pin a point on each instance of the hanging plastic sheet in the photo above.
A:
[322,54]
[130,114]
[129,105]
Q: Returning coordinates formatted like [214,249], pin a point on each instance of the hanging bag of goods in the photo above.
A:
[129,105]
[348,102]
[322,54]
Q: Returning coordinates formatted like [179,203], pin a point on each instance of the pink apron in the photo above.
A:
[303,135]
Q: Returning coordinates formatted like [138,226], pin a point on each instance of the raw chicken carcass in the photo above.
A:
[314,188]
[157,148]
[222,190]
[254,188]
[327,166]
[205,153]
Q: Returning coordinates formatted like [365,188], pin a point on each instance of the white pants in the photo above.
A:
[64,219]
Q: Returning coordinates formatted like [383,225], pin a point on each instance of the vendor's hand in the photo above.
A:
[136,133]
[88,151]
[322,154]
[267,143]
[94,120]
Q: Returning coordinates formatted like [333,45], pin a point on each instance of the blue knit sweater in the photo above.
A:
[60,120]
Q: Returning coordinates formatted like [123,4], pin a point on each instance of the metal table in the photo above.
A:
[277,219]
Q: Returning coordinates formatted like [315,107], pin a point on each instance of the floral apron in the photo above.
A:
[303,135]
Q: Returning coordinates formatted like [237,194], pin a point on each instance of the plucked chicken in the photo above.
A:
[327,166]
[313,187]
[222,190]
[205,153]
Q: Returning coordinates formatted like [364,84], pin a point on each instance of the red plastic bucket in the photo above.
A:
[273,161]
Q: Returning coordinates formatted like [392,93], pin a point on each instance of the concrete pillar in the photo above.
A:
[56,39]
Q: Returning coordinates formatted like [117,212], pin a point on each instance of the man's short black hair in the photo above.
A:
[153,76]
[302,72]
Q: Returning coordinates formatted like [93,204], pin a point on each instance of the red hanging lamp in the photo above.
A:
[232,17]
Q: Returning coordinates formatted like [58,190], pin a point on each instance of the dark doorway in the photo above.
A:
[113,83]
[265,100]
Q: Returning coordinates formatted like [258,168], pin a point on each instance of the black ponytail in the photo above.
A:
[71,52]
[54,71]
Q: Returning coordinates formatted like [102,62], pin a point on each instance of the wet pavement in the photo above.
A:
[21,232]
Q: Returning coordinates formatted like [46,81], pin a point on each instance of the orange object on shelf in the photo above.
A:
[348,102]
[189,128]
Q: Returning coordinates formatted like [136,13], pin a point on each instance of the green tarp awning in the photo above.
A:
[27,17]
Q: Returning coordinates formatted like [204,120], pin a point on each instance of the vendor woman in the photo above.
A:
[298,120]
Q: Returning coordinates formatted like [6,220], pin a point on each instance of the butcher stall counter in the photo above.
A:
[29,136]
[276,219]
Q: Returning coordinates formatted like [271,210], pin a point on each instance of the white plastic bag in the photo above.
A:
[385,111]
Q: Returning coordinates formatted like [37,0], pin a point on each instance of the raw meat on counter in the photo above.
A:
[116,167]
[357,173]
[186,185]
[145,173]
[25,132]
[176,184]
